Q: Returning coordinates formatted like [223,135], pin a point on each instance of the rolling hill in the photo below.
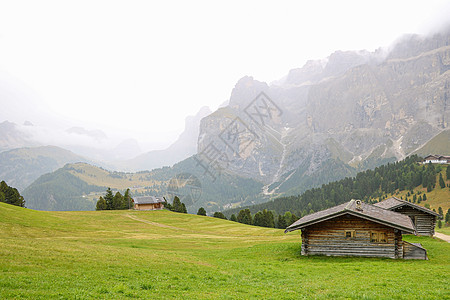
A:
[166,255]
[20,167]
[78,187]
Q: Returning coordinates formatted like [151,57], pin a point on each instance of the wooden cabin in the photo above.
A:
[357,229]
[148,203]
[424,219]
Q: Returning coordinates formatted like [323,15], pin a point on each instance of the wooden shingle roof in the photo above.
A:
[366,211]
[393,203]
[147,200]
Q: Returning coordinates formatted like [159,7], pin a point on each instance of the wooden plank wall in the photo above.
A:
[425,223]
[328,238]
[411,251]
[146,206]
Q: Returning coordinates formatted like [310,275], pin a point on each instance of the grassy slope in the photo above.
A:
[437,197]
[127,254]
[440,144]
[100,177]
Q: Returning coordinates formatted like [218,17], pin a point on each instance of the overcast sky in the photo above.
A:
[143,66]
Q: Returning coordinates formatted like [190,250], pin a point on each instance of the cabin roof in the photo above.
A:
[147,200]
[394,202]
[437,156]
[369,212]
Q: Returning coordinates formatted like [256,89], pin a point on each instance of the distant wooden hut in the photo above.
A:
[424,219]
[437,159]
[148,203]
[357,229]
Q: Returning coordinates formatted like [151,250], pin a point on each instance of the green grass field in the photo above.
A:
[165,255]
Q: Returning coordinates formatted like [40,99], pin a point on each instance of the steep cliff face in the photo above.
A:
[246,136]
[356,108]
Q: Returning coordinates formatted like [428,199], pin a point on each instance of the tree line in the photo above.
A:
[176,206]
[10,195]
[264,218]
[369,185]
[114,202]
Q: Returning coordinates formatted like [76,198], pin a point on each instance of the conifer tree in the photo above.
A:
[176,205]
[183,208]
[447,173]
[294,218]
[201,211]
[109,199]
[219,215]
[167,205]
[233,218]
[245,216]
[101,204]
[281,222]
[127,199]
[264,219]
[258,219]
[118,202]
[441,181]
[268,219]
[10,195]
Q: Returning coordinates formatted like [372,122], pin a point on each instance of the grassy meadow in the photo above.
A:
[165,255]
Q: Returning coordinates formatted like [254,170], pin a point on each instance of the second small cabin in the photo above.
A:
[424,219]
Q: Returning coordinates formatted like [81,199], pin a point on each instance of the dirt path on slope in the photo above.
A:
[152,223]
[442,236]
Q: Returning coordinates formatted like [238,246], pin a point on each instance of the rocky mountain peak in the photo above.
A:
[310,73]
[356,108]
[245,90]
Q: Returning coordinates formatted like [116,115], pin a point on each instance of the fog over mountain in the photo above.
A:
[353,109]
[184,147]
[329,119]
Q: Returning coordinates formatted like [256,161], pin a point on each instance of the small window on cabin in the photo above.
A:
[349,233]
[378,237]
[374,237]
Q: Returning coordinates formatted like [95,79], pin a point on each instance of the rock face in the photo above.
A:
[360,108]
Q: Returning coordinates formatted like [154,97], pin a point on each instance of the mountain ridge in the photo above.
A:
[20,167]
[374,107]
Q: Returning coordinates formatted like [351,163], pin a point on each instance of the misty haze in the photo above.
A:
[224,150]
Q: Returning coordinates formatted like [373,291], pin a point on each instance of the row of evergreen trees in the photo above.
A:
[176,206]
[10,195]
[264,218]
[446,218]
[114,202]
[368,185]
